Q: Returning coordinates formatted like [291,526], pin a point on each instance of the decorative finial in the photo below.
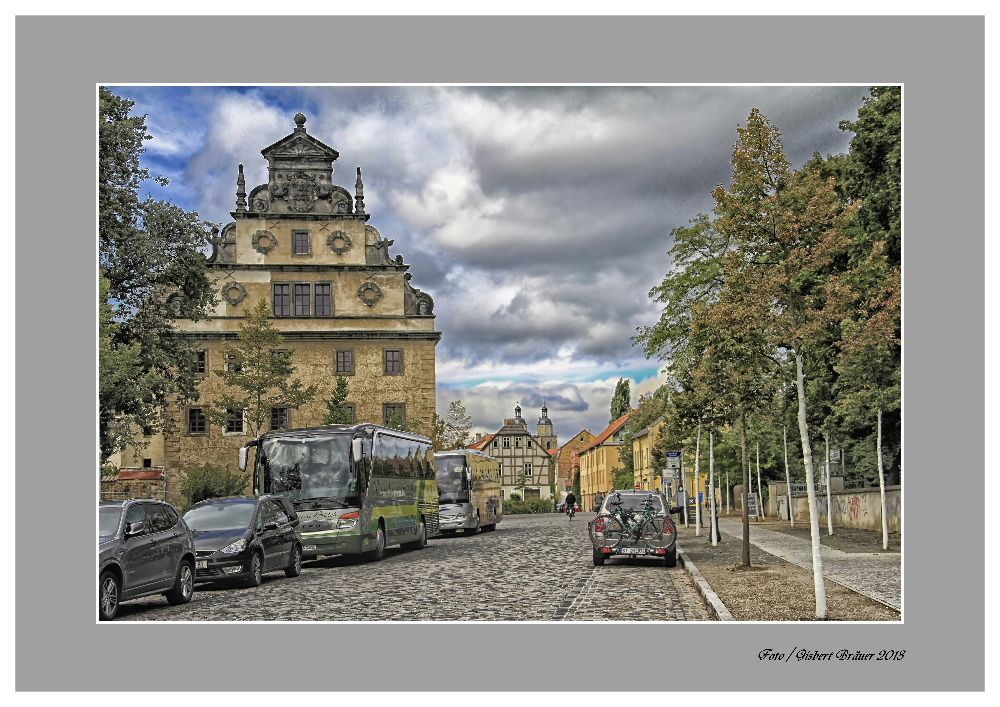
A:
[300,122]
[359,195]
[241,192]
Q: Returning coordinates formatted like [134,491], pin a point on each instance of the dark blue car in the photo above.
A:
[242,538]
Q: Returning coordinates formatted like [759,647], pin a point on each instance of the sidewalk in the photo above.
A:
[873,574]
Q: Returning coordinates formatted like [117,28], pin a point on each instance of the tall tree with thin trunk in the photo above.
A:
[257,375]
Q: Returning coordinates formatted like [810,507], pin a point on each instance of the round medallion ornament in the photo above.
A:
[234,293]
[369,293]
[339,242]
[264,242]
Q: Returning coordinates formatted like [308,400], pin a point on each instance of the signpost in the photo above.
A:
[752,505]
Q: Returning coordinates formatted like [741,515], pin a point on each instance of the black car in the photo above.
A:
[242,538]
[143,547]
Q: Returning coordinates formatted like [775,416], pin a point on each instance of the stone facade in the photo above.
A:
[303,244]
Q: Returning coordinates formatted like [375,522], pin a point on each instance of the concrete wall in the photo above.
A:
[854,508]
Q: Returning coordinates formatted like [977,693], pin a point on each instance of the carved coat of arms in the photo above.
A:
[302,192]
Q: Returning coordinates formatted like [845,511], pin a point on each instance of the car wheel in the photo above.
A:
[421,540]
[599,559]
[379,552]
[295,569]
[183,586]
[255,575]
[671,559]
[109,595]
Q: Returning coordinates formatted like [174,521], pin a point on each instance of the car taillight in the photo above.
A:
[599,525]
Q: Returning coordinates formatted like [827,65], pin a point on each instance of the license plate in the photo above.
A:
[308,547]
[201,565]
[631,551]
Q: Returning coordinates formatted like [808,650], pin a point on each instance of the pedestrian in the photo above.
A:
[570,505]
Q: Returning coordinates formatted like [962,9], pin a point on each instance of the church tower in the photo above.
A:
[546,434]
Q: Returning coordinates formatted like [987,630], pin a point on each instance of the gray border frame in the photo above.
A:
[941,61]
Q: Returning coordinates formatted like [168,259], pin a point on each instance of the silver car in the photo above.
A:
[659,539]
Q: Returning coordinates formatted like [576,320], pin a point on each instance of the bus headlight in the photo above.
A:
[348,520]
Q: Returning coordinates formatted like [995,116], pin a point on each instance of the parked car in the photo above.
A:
[634,500]
[242,538]
[144,547]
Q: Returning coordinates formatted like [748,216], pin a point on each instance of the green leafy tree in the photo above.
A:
[336,412]
[257,375]
[151,257]
[621,402]
[397,422]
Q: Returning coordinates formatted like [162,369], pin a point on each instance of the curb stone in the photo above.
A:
[715,605]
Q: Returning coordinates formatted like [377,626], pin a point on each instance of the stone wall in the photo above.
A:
[854,508]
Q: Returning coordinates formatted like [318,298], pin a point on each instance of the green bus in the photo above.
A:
[357,489]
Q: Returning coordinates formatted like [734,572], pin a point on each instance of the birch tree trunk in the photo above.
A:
[881,485]
[829,494]
[697,482]
[746,483]
[788,477]
[817,556]
[713,515]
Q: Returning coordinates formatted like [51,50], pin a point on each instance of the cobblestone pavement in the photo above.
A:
[874,573]
[533,568]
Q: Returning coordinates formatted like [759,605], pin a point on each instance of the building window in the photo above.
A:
[199,363]
[527,468]
[506,442]
[231,364]
[324,301]
[500,469]
[279,419]
[528,443]
[495,442]
[147,463]
[282,301]
[345,361]
[234,423]
[300,243]
[393,362]
[197,424]
[302,301]
[352,411]
[390,409]
[517,441]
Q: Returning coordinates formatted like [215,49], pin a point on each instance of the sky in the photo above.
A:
[537,217]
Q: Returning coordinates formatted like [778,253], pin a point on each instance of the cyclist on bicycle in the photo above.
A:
[570,505]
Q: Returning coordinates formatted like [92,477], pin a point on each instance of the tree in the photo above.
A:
[791,229]
[452,430]
[258,375]
[151,255]
[336,412]
[397,422]
[621,402]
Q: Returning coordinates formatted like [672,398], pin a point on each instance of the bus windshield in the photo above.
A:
[316,468]
[453,486]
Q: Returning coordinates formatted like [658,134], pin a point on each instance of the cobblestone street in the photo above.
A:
[533,568]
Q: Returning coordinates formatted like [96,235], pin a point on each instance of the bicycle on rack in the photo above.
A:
[625,531]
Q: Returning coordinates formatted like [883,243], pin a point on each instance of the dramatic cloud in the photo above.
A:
[537,217]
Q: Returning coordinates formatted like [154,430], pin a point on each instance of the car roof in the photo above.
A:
[226,499]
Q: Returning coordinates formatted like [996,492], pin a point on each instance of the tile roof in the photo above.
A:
[608,432]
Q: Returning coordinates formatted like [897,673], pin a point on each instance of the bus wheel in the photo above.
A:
[478,529]
[421,540]
[379,552]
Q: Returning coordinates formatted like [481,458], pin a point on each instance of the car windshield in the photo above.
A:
[634,502]
[220,516]
[453,486]
[315,467]
[109,518]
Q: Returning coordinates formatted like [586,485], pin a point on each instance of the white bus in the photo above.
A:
[469,490]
